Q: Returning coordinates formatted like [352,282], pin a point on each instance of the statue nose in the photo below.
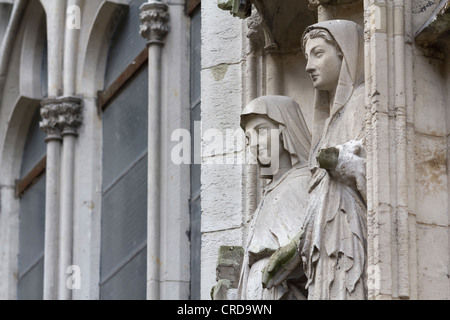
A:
[310,67]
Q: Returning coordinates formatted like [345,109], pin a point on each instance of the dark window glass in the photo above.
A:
[123,263]
[195,208]
[32,219]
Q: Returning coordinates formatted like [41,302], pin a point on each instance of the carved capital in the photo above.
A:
[70,118]
[49,123]
[61,116]
[154,22]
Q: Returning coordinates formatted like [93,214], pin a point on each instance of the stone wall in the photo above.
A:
[407,85]
[222,94]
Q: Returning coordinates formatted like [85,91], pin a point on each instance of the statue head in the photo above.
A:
[264,139]
[277,133]
[324,59]
[334,50]
[335,53]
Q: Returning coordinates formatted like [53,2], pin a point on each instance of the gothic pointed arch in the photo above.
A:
[23,69]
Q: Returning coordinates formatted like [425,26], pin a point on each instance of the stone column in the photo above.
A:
[49,124]
[69,120]
[154,28]
[60,119]
[50,113]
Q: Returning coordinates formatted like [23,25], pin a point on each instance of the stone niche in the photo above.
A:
[276,64]
[415,266]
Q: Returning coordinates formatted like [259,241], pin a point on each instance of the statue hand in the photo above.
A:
[281,264]
[352,165]
[328,158]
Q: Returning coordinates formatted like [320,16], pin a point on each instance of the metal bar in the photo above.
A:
[105,96]
[31,178]
[191,5]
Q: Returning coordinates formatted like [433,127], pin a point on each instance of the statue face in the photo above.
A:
[324,64]
[264,139]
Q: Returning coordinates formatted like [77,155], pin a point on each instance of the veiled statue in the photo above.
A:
[279,138]
[331,245]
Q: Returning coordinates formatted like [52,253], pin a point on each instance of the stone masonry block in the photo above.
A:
[229,264]
[224,39]
[431,180]
[433,253]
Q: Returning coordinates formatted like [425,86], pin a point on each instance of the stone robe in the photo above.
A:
[333,244]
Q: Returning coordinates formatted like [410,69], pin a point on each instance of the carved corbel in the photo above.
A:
[238,8]
[154,22]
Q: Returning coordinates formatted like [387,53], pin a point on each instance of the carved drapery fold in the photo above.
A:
[154,22]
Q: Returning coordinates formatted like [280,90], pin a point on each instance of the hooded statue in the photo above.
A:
[282,209]
[331,247]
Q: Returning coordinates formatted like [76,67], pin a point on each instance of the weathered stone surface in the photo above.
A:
[211,242]
[433,262]
[429,111]
[229,263]
[222,46]
[221,198]
[431,179]
[220,290]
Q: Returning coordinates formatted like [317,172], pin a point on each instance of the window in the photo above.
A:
[31,190]
[124,103]
[195,208]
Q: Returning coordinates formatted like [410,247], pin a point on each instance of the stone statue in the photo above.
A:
[331,246]
[270,121]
